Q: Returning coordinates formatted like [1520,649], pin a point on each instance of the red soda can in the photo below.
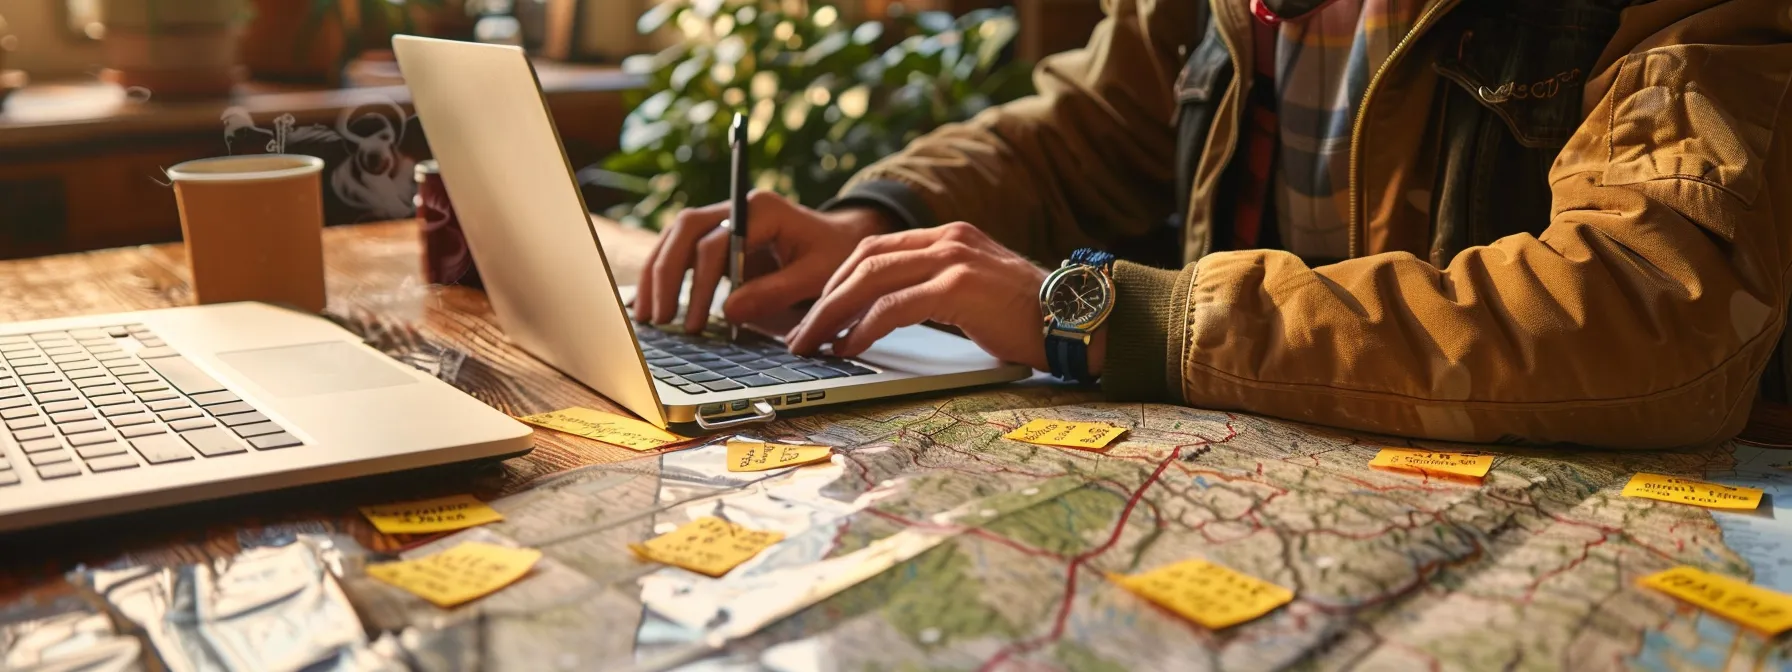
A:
[446,259]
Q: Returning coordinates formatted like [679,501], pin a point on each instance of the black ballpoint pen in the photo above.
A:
[737,212]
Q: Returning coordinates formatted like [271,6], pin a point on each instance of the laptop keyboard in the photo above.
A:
[707,362]
[100,400]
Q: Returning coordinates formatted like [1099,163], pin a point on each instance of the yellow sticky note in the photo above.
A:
[606,427]
[1767,611]
[759,456]
[707,545]
[1206,593]
[1431,462]
[1689,491]
[441,514]
[1067,434]
[458,575]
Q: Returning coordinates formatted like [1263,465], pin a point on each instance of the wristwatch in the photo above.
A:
[1076,299]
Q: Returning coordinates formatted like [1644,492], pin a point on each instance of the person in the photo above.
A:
[1536,221]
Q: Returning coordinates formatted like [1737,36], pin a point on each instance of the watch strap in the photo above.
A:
[1068,355]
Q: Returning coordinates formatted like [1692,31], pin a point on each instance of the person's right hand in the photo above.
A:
[807,245]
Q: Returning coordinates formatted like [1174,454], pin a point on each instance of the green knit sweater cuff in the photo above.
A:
[1145,333]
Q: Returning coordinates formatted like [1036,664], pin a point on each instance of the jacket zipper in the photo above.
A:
[1362,113]
[1218,9]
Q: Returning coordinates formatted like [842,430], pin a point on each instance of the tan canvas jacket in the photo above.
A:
[1642,317]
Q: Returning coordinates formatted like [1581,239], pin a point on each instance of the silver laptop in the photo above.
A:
[112,413]
[544,269]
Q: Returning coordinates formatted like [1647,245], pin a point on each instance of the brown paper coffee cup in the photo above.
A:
[254,228]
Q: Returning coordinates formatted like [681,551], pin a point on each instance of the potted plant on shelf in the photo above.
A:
[173,48]
[312,40]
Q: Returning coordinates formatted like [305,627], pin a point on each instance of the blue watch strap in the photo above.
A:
[1068,357]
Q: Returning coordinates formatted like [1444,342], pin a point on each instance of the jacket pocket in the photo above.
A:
[1704,113]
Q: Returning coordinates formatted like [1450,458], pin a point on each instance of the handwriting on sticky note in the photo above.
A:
[458,575]
[606,427]
[707,545]
[1767,611]
[1209,594]
[1067,434]
[441,514]
[760,456]
[1689,491]
[1432,462]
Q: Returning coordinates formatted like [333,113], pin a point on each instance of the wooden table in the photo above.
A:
[373,273]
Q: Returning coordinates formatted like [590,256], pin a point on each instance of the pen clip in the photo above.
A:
[737,132]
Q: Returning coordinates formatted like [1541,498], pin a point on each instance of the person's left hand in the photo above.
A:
[952,274]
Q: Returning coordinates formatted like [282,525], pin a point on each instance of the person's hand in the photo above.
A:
[952,274]
[807,246]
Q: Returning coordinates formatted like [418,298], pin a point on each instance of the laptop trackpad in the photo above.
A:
[315,368]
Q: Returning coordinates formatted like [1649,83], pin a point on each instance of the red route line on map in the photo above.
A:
[1076,563]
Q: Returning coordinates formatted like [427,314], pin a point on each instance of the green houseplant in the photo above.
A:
[823,98]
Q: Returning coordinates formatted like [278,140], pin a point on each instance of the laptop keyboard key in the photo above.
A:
[686,369]
[59,470]
[33,434]
[60,395]
[272,441]
[183,375]
[123,409]
[113,463]
[111,399]
[57,385]
[164,395]
[691,388]
[181,414]
[82,427]
[68,417]
[258,429]
[156,352]
[757,380]
[163,448]
[167,405]
[15,402]
[761,364]
[821,372]
[135,378]
[723,385]
[89,439]
[40,445]
[190,424]
[135,431]
[141,388]
[50,457]
[33,369]
[242,419]
[64,406]
[702,377]
[215,441]
[209,398]
[18,412]
[788,375]
[231,408]
[26,422]
[101,450]
[133,419]
[731,371]
[8,478]
[39,378]
[662,374]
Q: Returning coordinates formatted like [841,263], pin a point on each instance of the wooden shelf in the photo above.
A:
[81,162]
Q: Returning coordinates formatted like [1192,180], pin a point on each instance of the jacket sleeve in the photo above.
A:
[1086,161]
[1642,317]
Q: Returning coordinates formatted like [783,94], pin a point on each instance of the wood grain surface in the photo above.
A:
[374,278]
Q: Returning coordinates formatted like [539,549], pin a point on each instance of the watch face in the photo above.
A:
[1078,296]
